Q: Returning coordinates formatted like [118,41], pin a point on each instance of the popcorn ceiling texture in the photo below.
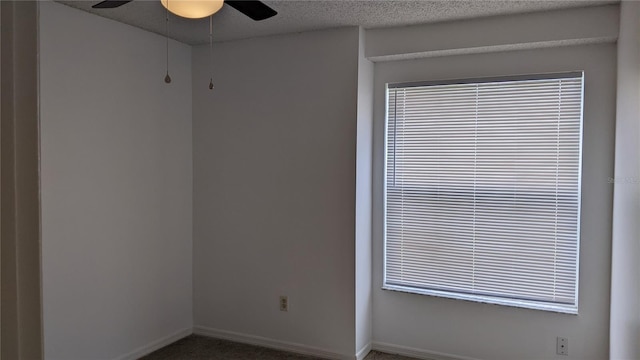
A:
[305,15]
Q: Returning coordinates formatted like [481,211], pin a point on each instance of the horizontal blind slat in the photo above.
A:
[482,188]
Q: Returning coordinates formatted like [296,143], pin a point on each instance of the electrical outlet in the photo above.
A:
[284,303]
[562,346]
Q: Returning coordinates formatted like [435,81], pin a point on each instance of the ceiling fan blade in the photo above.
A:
[110,4]
[256,10]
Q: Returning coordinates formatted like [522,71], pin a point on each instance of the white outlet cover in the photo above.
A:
[562,346]
[284,303]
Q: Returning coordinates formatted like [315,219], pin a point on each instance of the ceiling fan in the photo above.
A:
[254,9]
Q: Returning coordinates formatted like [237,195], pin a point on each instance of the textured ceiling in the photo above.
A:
[297,16]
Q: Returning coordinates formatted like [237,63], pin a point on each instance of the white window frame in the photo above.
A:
[496,300]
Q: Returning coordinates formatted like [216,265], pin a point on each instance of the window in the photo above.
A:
[482,191]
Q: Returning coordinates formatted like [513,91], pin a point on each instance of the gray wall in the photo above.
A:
[274,189]
[482,331]
[20,207]
[116,187]
[364,144]
[625,270]
[278,148]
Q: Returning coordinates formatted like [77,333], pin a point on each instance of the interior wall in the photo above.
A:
[474,330]
[535,30]
[625,270]
[116,172]
[276,159]
[364,153]
[274,190]
[20,206]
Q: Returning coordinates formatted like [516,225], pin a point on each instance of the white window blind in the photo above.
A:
[482,196]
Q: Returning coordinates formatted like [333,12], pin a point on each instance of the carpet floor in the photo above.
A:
[196,347]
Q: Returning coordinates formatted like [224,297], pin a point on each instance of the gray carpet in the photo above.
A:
[196,347]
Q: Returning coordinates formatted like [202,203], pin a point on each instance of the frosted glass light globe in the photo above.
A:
[193,9]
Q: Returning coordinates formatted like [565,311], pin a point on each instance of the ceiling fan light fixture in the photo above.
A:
[193,9]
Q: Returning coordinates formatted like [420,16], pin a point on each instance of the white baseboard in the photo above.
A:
[289,346]
[360,355]
[416,353]
[270,343]
[155,345]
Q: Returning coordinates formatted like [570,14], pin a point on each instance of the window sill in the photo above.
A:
[535,305]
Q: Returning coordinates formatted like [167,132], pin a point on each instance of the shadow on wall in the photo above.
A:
[20,207]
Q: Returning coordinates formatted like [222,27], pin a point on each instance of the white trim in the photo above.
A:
[495,300]
[155,345]
[270,343]
[416,353]
[360,355]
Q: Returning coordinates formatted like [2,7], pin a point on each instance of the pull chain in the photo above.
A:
[167,78]
[211,51]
